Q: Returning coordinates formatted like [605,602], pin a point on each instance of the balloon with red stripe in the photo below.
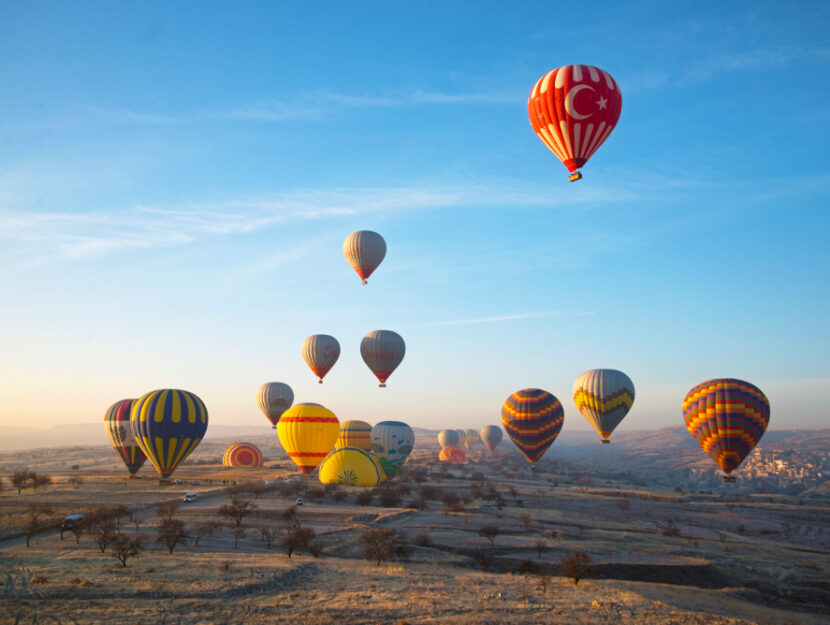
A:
[364,250]
[242,455]
[117,422]
[532,419]
[382,351]
[727,417]
[573,110]
[308,433]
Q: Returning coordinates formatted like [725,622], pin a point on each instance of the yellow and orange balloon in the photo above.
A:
[308,433]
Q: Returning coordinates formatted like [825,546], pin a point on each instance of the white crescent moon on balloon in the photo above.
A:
[569,101]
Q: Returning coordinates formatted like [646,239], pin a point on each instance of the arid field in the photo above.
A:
[654,556]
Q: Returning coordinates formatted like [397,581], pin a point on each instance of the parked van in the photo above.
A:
[73,520]
[190,497]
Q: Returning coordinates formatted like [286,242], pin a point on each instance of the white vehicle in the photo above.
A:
[299,501]
[73,520]
[190,497]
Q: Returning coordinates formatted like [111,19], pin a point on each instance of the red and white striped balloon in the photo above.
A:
[573,109]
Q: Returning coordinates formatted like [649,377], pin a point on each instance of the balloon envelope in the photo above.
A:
[727,417]
[491,436]
[604,397]
[364,250]
[532,419]
[120,433]
[573,109]
[308,433]
[452,454]
[382,351]
[392,441]
[242,455]
[351,466]
[355,434]
[448,438]
[168,424]
[470,438]
[273,399]
[320,352]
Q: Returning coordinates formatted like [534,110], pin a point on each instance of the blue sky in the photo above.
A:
[176,181]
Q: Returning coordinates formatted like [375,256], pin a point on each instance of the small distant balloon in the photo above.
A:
[392,441]
[242,455]
[355,434]
[604,397]
[470,438]
[364,250]
[491,436]
[452,454]
[273,399]
[448,438]
[320,352]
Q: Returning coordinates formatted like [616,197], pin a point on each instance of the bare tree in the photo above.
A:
[166,511]
[238,532]
[269,534]
[117,512]
[540,546]
[202,529]
[489,532]
[21,479]
[76,481]
[35,522]
[382,543]
[289,515]
[124,547]
[101,526]
[297,538]
[171,533]
[526,520]
[483,558]
[39,479]
[452,502]
[237,509]
[575,565]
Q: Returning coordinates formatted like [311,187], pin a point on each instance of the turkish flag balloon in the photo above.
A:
[573,109]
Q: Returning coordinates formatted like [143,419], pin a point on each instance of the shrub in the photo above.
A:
[237,509]
[489,532]
[389,498]
[382,543]
[297,538]
[575,565]
[364,498]
[422,540]
[670,529]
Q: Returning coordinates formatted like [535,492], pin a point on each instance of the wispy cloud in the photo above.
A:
[500,318]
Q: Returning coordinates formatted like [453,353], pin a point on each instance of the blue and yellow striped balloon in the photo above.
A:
[168,424]
[727,417]
[532,419]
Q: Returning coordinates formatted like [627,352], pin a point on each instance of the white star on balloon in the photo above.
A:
[602,102]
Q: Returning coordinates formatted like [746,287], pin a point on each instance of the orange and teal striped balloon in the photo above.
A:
[168,424]
[727,417]
[532,419]
[242,455]
[117,421]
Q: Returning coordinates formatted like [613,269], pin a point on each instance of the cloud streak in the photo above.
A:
[501,318]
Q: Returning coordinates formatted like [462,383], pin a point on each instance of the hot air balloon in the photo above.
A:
[470,438]
[364,250]
[117,422]
[320,352]
[392,441]
[351,466]
[604,397]
[274,398]
[307,433]
[168,424]
[727,417]
[242,455]
[382,351]
[573,109]
[448,438]
[355,434]
[462,436]
[452,454]
[532,419]
[491,436]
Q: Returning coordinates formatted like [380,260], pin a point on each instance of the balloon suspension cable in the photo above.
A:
[577,175]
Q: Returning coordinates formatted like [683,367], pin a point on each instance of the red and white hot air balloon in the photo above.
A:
[573,109]
[382,351]
[364,250]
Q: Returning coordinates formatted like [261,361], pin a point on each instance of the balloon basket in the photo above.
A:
[605,441]
[577,175]
[382,385]
[728,478]
[320,381]
[364,282]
